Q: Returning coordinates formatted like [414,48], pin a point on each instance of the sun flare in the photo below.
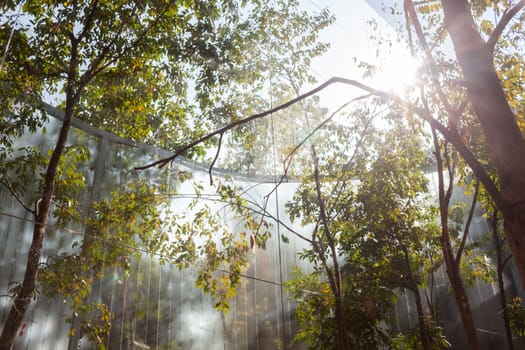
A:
[397,71]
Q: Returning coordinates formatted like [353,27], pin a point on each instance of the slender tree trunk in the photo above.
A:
[515,231]
[42,208]
[505,141]
[459,292]
[342,339]
[425,339]
[500,265]
[503,300]
[343,343]
[451,264]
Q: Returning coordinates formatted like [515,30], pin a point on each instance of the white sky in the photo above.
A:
[349,38]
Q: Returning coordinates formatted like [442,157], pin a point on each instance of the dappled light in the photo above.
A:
[285,174]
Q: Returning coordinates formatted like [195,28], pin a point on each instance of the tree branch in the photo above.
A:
[409,7]
[500,27]
[334,80]
[459,253]
[259,210]
[215,159]
[506,260]
[289,157]
[15,196]
[450,135]
[95,66]
[451,170]
[88,21]
[326,225]
[339,185]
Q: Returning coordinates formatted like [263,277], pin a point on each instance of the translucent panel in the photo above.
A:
[157,306]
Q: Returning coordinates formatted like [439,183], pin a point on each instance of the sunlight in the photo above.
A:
[398,71]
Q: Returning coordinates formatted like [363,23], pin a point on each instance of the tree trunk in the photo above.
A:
[343,343]
[502,294]
[42,208]
[500,266]
[514,223]
[505,141]
[23,298]
[451,264]
[425,339]
[340,327]
[503,300]
[459,292]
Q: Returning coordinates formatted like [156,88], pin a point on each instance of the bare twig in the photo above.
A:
[289,157]
[338,187]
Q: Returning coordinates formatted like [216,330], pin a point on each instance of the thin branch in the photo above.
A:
[265,213]
[451,135]
[454,115]
[441,182]
[334,80]
[326,225]
[261,211]
[6,50]
[88,20]
[319,249]
[409,7]
[464,103]
[507,259]
[263,208]
[162,162]
[459,253]
[451,170]
[346,167]
[500,27]
[289,157]
[15,196]
[320,200]
[439,32]
[215,159]
[409,32]
[95,66]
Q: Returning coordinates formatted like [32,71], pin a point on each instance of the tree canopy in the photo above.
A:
[160,72]
[190,76]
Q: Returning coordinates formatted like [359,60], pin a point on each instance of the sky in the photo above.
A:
[349,38]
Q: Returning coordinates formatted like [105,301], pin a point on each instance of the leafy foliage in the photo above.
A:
[517,316]
[374,190]
[162,73]
[412,338]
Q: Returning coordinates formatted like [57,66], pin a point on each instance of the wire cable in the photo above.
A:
[146,251]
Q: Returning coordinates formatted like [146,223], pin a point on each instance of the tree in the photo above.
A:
[486,96]
[126,67]
[498,120]
[453,259]
[363,200]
